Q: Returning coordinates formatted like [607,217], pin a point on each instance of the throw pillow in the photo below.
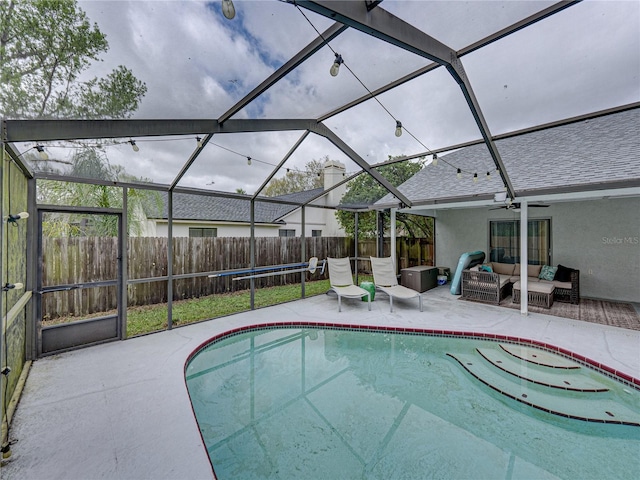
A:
[563,274]
[486,268]
[547,272]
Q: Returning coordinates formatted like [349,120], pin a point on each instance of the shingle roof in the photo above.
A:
[205,208]
[586,153]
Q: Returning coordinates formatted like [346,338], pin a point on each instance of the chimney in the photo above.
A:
[334,172]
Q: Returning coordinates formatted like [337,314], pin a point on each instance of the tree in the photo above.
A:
[45,45]
[296,180]
[93,163]
[365,189]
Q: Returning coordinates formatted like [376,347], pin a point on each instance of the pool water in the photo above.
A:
[306,403]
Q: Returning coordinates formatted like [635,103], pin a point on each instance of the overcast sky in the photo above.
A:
[197,64]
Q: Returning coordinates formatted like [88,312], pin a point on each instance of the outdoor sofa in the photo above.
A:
[481,285]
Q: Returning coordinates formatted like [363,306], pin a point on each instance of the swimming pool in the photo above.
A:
[347,403]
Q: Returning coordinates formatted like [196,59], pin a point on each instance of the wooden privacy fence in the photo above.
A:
[75,260]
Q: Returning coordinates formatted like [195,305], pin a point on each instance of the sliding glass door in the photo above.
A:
[504,241]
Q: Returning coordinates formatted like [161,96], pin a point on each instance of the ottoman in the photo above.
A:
[540,294]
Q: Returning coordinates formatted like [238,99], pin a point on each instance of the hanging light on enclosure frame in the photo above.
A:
[434,162]
[13,218]
[248,160]
[398,128]
[135,147]
[42,153]
[459,174]
[228,10]
[335,68]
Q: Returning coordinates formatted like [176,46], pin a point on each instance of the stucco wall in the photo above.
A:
[224,230]
[601,238]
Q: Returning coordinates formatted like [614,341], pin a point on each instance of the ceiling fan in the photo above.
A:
[516,206]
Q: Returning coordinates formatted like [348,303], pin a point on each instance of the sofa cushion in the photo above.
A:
[516,278]
[547,272]
[542,287]
[502,268]
[563,274]
[557,284]
[532,270]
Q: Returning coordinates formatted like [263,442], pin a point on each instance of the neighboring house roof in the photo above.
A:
[593,154]
[208,208]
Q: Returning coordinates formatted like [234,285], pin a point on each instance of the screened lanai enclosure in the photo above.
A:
[261,135]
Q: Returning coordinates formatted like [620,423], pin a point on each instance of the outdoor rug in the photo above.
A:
[617,314]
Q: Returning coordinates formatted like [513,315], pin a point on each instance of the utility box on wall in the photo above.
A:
[420,279]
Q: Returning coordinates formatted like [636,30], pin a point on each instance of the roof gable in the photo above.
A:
[222,209]
[589,153]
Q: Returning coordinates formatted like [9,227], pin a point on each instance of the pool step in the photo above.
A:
[539,357]
[562,378]
[595,408]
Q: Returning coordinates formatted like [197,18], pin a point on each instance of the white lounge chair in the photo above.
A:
[341,280]
[384,276]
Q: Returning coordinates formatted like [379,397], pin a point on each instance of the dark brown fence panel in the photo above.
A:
[85,259]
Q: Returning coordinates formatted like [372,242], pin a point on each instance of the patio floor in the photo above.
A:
[121,410]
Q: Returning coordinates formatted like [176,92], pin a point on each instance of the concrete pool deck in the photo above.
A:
[121,410]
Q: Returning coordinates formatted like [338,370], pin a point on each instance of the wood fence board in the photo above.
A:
[72,260]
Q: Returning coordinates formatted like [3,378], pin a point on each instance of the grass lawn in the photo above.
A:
[153,318]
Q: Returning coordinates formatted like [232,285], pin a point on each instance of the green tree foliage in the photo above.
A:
[93,163]
[45,45]
[297,181]
[364,189]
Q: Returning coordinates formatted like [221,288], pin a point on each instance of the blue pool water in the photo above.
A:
[294,403]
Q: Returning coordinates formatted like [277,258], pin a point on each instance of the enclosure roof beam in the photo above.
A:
[530,20]
[309,203]
[329,34]
[323,131]
[514,133]
[165,188]
[192,158]
[282,162]
[47,130]
[383,25]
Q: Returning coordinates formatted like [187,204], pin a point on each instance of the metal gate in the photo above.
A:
[78,305]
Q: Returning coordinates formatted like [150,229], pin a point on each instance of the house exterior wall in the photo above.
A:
[181,229]
[601,238]
[314,219]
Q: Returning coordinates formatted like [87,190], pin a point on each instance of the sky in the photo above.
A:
[197,64]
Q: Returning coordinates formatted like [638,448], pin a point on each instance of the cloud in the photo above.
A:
[197,64]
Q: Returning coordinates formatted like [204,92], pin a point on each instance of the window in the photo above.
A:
[504,241]
[203,232]
[285,232]
[316,233]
